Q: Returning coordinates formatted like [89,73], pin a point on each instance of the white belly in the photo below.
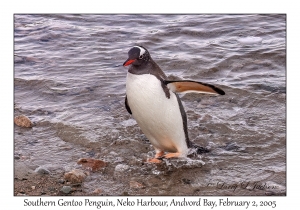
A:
[159,117]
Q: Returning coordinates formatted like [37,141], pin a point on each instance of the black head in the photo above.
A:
[137,56]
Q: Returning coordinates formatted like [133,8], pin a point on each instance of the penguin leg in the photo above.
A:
[159,154]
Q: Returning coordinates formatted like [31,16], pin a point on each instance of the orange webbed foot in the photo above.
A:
[153,160]
[157,158]
[172,155]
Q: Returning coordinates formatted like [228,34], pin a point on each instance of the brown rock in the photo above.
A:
[91,164]
[23,121]
[75,176]
[97,191]
[136,185]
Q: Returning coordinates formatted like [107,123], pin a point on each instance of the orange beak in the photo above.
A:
[128,62]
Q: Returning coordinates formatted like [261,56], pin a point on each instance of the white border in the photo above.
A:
[8,8]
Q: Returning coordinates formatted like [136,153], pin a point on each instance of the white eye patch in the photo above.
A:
[142,50]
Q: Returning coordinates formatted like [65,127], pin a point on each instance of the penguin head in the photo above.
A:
[137,56]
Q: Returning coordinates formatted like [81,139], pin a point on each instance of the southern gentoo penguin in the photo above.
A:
[153,101]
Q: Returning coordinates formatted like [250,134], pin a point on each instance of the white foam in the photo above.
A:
[250,40]
[129,122]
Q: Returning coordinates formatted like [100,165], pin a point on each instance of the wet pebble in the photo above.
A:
[91,153]
[186,181]
[23,121]
[120,169]
[97,191]
[136,185]
[75,176]
[125,193]
[61,181]
[42,170]
[66,189]
[91,164]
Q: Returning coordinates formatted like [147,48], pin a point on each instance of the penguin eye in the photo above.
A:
[141,56]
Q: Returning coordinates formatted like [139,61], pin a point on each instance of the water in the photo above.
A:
[69,80]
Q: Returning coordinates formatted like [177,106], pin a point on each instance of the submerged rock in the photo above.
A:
[91,164]
[231,146]
[42,170]
[75,176]
[66,189]
[23,121]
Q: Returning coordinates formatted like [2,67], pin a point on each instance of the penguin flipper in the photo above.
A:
[127,105]
[184,86]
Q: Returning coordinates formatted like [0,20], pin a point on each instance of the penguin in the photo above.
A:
[154,103]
